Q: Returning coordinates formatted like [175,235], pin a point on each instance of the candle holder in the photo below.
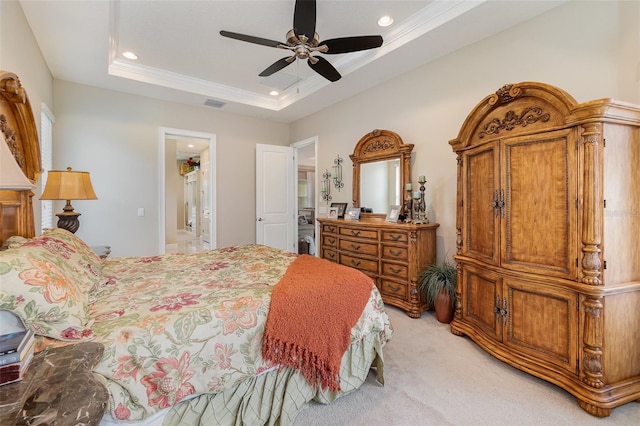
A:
[337,173]
[326,186]
[422,205]
[407,211]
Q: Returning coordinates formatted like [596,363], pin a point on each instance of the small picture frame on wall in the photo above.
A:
[333,213]
[352,214]
[342,207]
[393,214]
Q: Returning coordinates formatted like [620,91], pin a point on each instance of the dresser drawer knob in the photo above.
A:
[395,271]
[395,253]
[394,287]
[395,237]
[355,246]
[355,262]
[331,255]
[355,233]
[331,240]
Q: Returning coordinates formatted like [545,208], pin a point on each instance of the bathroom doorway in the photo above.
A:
[188,192]
[307,190]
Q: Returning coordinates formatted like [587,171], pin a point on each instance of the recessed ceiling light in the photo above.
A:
[190,145]
[130,55]
[385,21]
[274,93]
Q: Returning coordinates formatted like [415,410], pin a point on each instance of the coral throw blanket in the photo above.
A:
[313,308]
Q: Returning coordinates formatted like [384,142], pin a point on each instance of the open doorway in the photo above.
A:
[307,182]
[188,219]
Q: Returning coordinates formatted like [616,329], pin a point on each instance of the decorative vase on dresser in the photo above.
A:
[548,254]
[393,254]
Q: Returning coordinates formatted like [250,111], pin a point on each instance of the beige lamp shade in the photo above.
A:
[68,185]
[11,175]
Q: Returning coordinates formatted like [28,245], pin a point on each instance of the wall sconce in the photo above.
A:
[326,186]
[337,173]
[68,185]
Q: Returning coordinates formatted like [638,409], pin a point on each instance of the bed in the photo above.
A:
[239,335]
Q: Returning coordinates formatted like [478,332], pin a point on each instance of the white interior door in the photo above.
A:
[275,197]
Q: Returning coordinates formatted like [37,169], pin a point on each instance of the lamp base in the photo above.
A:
[69,221]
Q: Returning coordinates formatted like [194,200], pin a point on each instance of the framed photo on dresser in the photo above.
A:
[342,207]
[393,214]
[352,214]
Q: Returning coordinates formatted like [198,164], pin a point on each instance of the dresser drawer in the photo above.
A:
[395,270]
[329,241]
[391,254]
[329,254]
[329,229]
[358,263]
[370,249]
[393,288]
[395,236]
[359,233]
[395,253]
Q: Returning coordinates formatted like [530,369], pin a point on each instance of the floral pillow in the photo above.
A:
[75,251]
[41,282]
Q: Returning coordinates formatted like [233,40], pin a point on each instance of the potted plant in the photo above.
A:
[438,284]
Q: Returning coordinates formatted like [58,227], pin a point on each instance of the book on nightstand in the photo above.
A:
[14,347]
[11,373]
[17,345]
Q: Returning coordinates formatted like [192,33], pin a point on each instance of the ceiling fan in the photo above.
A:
[302,41]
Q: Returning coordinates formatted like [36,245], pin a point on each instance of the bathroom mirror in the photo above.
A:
[381,169]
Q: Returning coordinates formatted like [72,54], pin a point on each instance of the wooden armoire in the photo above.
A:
[548,239]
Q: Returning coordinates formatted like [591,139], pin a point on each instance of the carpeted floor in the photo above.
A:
[433,377]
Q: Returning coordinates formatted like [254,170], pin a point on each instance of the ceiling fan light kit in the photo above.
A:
[303,40]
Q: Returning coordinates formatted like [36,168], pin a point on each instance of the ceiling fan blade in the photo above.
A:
[251,39]
[304,18]
[277,66]
[325,69]
[351,44]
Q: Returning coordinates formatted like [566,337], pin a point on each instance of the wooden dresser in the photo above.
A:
[548,254]
[393,254]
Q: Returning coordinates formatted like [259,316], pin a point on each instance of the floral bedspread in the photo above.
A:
[202,333]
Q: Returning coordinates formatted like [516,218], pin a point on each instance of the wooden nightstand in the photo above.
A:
[102,251]
[58,388]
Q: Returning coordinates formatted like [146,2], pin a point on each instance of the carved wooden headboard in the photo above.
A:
[21,135]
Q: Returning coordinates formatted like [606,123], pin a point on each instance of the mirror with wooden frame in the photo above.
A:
[381,169]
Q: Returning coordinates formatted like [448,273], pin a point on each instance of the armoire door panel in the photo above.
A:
[539,231]
[483,295]
[542,323]
[480,167]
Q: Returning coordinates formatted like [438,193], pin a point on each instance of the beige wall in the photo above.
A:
[576,47]
[114,136]
[19,53]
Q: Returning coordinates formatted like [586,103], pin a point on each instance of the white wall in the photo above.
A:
[114,136]
[577,47]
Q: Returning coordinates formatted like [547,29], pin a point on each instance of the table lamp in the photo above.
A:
[11,175]
[68,185]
